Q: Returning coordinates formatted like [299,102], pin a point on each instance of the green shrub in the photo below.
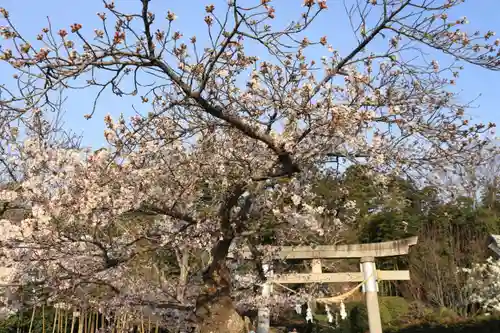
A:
[21,321]
[445,313]
[397,307]
[358,318]
[419,311]
[392,309]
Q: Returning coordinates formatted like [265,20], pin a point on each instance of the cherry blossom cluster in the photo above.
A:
[483,284]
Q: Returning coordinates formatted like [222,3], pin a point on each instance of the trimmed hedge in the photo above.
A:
[399,316]
[478,325]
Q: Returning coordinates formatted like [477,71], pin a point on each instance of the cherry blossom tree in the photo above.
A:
[230,146]
[483,284]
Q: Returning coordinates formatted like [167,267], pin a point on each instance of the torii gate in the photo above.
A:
[495,244]
[368,272]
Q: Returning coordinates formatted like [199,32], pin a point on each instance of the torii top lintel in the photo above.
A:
[383,249]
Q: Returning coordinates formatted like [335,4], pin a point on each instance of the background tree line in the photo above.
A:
[453,233]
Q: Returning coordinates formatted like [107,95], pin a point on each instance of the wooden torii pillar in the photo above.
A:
[368,272]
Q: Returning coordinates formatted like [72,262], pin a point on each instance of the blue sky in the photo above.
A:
[31,16]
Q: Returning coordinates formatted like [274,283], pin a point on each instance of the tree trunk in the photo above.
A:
[222,318]
[214,308]
[183,260]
